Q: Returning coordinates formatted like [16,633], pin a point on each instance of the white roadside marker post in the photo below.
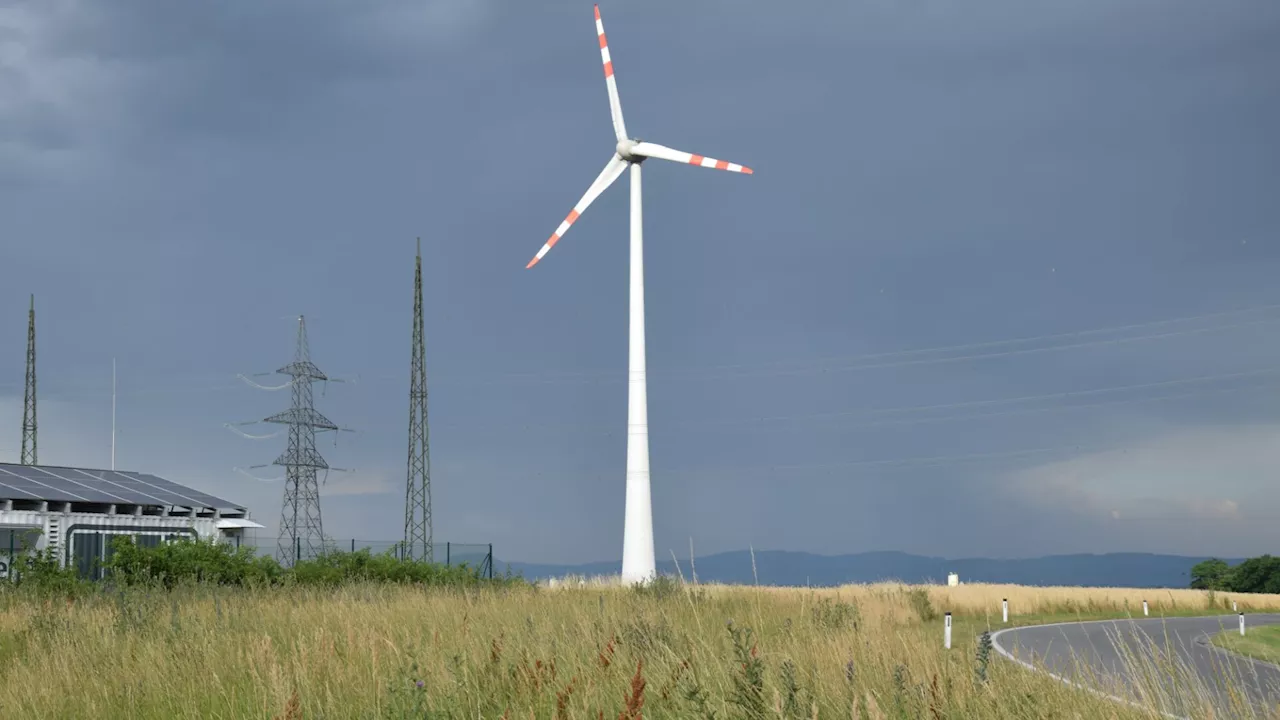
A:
[1005,606]
[1233,606]
[946,633]
[1145,612]
[1242,623]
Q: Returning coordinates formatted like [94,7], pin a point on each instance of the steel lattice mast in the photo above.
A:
[301,533]
[28,455]
[417,494]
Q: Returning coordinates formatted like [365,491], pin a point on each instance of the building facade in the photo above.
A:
[76,511]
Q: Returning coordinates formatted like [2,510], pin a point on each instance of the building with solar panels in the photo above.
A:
[76,511]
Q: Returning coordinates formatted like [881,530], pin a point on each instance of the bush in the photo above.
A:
[919,599]
[186,560]
[337,568]
[41,572]
[203,562]
[658,587]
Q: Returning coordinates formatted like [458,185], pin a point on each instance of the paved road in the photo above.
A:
[1115,657]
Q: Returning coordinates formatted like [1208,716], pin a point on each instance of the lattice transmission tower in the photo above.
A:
[301,532]
[417,494]
[29,425]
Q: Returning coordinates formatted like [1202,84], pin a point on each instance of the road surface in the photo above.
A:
[1127,660]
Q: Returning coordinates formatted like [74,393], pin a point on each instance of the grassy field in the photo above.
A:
[869,652]
[1262,643]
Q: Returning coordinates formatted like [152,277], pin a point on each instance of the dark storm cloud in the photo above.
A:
[927,175]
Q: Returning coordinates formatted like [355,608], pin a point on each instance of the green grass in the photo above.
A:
[378,651]
[1260,643]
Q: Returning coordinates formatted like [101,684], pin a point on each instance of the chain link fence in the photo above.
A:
[477,556]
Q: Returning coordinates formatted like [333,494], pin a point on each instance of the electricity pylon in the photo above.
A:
[29,426]
[417,493]
[301,532]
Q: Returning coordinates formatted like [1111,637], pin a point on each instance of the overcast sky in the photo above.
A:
[178,181]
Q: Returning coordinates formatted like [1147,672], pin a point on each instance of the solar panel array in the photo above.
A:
[59,484]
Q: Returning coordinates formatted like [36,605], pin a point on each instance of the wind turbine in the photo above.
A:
[637,534]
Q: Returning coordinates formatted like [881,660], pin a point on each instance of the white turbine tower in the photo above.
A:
[637,534]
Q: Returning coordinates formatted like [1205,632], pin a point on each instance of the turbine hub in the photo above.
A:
[624,147]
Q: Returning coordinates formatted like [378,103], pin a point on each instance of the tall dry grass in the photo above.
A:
[389,652]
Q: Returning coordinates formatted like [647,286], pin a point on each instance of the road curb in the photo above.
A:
[1203,640]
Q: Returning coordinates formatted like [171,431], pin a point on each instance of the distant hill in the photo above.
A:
[775,567]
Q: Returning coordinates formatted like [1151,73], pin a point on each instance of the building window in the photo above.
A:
[87,554]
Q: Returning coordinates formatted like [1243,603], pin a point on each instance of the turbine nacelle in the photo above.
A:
[626,150]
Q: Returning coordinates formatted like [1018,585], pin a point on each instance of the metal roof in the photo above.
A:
[63,484]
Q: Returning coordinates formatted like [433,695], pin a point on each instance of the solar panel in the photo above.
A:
[48,484]
[22,488]
[140,489]
[195,495]
[26,483]
[59,484]
[88,489]
[103,479]
[24,471]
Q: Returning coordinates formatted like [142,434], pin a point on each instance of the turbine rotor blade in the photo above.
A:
[662,152]
[615,105]
[612,171]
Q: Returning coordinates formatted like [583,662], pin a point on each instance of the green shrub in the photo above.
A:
[338,568]
[41,572]
[658,587]
[919,599]
[835,615]
[203,562]
[187,560]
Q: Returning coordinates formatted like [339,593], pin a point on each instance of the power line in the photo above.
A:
[1031,339]
[590,429]
[850,362]
[717,372]
[1009,400]
[915,461]
[982,356]
[855,362]
[1060,408]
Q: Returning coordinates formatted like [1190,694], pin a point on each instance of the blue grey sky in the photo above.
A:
[178,180]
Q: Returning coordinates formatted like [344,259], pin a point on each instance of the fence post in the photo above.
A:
[490,561]
[946,636]
[353,544]
[447,556]
[297,550]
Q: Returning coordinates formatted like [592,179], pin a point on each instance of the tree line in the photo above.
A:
[1255,575]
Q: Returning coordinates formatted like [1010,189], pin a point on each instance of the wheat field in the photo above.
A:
[863,651]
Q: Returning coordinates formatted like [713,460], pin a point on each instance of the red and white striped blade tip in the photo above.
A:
[713,163]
